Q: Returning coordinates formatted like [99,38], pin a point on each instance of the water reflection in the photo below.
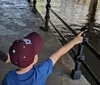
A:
[92,14]
[81,1]
[73,11]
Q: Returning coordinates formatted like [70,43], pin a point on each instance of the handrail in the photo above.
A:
[90,71]
[86,43]
[64,23]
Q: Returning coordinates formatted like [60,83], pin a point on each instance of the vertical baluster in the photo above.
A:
[34,3]
[47,16]
[76,72]
[29,1]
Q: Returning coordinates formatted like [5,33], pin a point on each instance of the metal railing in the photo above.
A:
[79,58]
[76,73]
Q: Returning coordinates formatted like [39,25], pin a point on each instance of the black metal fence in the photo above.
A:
[79,58]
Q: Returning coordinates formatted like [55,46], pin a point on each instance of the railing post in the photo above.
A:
[29,1]
[34,4]
[76,72]
[47,16]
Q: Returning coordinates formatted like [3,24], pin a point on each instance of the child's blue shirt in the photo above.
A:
[36,76]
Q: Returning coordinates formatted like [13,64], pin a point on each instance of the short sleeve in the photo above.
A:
[45,68]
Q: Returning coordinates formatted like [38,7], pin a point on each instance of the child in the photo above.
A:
[24,54]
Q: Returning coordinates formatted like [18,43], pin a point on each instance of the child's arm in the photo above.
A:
[64,49]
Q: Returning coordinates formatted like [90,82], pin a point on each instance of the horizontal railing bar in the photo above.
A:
[86,43]
[90,72]
[93,50]
[65,41]
[64,23]
[58,32]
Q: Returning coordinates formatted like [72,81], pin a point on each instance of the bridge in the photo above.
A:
[19,18]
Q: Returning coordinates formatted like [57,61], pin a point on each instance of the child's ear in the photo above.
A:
[35,59]
[8,60]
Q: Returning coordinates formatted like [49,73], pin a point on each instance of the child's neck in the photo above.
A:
[23,70]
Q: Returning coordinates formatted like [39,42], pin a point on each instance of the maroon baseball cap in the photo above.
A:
[22,51]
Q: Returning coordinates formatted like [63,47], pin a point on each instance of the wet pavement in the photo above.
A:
[16,21]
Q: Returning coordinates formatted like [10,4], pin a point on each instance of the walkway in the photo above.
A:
[16,21]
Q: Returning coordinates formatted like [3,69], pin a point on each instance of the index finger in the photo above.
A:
[80,33]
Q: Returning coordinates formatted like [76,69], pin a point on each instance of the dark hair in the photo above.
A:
[3,56]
